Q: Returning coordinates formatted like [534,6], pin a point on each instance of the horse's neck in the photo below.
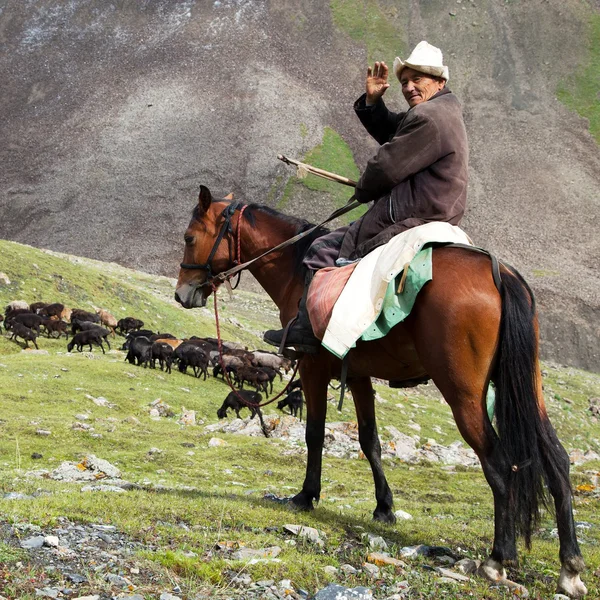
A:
[275,272]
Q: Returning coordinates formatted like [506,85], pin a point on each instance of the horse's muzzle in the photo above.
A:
[191,296]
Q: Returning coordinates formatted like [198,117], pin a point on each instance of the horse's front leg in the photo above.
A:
[364,402]
[315,378]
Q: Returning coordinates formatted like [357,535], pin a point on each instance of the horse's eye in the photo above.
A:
[189,239]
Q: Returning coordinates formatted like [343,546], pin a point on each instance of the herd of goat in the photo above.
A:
[145,348]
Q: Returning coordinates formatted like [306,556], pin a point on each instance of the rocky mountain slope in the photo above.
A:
[113,113]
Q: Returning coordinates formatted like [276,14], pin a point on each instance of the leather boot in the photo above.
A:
[300,336]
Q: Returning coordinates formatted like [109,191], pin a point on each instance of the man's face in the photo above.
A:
[419,87]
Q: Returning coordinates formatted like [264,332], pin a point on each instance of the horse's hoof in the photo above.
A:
[494,572]
[384,516]
[302,501]
[570,584]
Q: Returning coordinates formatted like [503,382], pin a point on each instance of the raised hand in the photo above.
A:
[376,82]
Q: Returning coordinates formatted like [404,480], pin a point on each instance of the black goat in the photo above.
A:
[163,353]
[53,326]
[89,337]
[139,350]
[294,401]
[249,400]
[129,324]
[30,321]
[28,335]
[190,355]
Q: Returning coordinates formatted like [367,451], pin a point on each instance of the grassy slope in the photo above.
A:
[581,92]
[218,492]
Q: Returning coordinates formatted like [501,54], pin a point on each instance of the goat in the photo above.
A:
[294,401]
[259,379]
[52,310]
[139,350]
[271,373]
[133,334]
[107,320]
[163,353]
[189,355]
[129,324]
[162,336]
[36,306]
[55,326]
[78,314]
[28,319]
[28,335]
[89,337]
[267,359]
[16,305]
[233,401]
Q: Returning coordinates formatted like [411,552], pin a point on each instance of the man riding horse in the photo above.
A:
[418,175]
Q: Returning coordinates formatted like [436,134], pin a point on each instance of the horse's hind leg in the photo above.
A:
[557,470]
[364,396]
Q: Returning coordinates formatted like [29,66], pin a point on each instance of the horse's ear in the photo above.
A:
[204,199]
[229,196]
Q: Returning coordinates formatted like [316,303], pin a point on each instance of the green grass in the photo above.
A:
[218,492]
[332,154]
[370,23]
[581,91]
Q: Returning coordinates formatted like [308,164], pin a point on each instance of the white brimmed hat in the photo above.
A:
[424,58]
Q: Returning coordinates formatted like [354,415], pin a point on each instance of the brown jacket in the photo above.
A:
[418,175]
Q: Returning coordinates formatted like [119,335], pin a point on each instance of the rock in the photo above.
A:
[36,455]
[37,541]
[117,580]
[17,496]
[309,533]
[215,442]
[331,570]
[161,408]
[376,542]
[51,541]
[46,593]
[168,596]
[103,488]
[400,514]
[188,417]
[595,406]
[250,553]
[4,279]
[87,598]
[467,566]
[337,592]
[75,578]
[90,468]
[560,597]
[446,580]
[382,559]
[43,432]
[451,574]
[348,569]
[371,570]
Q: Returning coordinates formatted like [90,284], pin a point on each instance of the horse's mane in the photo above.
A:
[299,225]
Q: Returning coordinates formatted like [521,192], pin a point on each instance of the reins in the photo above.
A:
[215,279]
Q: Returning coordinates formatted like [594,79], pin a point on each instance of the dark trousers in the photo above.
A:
[325,250]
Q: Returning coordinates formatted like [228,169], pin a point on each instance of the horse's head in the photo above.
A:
[206,251]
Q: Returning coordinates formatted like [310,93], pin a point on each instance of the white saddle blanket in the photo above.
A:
[361,300]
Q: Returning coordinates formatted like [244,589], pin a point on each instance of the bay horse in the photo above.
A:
[462,333]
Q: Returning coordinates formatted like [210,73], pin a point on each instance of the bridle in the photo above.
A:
[238,267]
[226,228]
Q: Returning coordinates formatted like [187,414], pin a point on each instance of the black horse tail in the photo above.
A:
[527,437]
